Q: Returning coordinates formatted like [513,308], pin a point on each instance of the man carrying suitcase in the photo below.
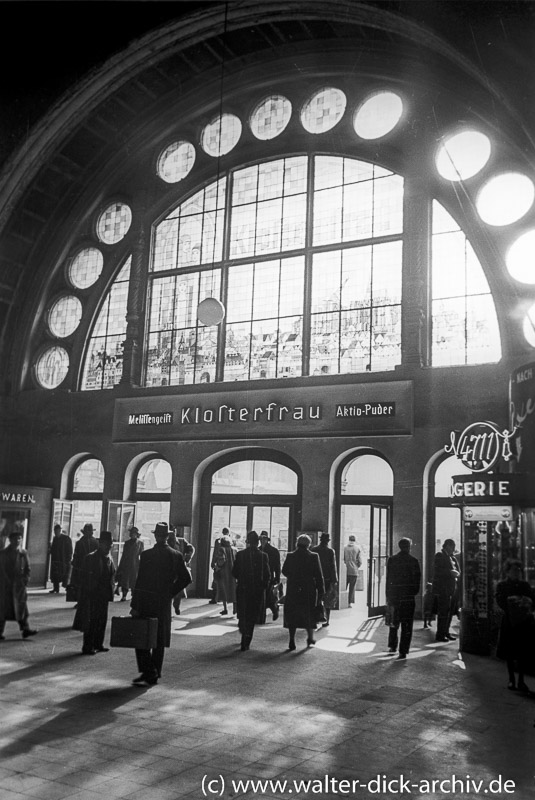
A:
[162,574]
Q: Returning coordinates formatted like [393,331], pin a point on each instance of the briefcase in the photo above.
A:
[136,632]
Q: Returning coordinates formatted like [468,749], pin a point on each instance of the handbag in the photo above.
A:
[319,613]
[330,598]
[71,595]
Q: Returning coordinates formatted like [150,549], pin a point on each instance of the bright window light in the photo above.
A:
[378,115]
[519,258]
[463,155]
[529,326]
[505,198]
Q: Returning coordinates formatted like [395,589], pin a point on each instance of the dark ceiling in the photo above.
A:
[57,46]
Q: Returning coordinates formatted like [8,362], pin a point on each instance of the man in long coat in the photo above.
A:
[87,544]
[96,591]
[60,559]
[304,589]
[252,573]
[14,578]
[330,573]
[129,564]
[403,577]
[162,574]
[445,579]
[274,558]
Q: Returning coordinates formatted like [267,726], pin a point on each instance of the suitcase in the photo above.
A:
[137,632]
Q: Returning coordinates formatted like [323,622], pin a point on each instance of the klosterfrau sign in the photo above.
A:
[376,409]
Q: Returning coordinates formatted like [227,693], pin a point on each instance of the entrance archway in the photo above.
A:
[365,486]
[249,491]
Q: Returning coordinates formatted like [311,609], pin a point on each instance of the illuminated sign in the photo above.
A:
[487,513]
[481,445]
[16,497]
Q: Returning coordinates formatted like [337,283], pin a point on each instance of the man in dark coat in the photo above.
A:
[445,578]
[253,575]
[403,577]
[87,544]
[330,573]
[274,559]
[162,575]
[14,578]
[95,592]
[305,588]
[60,559]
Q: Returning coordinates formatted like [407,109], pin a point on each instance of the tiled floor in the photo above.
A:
[73,727]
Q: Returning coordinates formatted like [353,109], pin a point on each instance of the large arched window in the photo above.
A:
[309,272]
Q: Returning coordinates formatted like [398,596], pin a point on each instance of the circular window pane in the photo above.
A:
[505,198]
[64,316]
[176,161]
[114,223]
[519,258]
[323,110]
[270,117]
[463,155]
[529,326]
[86,268]
[221,135]
[378,115]
[52,367]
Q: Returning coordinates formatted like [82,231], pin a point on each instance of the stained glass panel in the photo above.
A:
[323,110]
[104,357]
[64,316]
[51,367]
[114,223]
[176,162]
[221,135]
[270,117]
[86,267]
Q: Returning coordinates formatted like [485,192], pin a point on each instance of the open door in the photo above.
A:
[380,550]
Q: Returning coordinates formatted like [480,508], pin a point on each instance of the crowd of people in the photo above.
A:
[247,582]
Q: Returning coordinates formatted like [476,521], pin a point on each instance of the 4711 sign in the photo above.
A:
[481,445]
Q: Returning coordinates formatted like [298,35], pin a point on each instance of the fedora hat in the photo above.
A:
[161,529]
[87,527]
[105,536]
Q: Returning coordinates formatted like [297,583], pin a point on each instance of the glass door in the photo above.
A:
[120,520]
[380,549]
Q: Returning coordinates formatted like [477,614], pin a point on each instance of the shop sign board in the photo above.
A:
[371,409]
[14,495]
[487,513]
[522,414]
[489,488]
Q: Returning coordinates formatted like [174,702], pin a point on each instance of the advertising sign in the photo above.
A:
[371,409]
[522,415]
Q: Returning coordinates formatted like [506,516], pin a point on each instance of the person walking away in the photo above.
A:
[162,574]
[60,552]
[330,574]
[87,544]
[222,563]
[253,575]
[353,561]
[516,642]
[96,591]
[445,577]
[213,588]
[187,550]
[403,577]
[129,563]
[274,559]
[304,589]
[14,579]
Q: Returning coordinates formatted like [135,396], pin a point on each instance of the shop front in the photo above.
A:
[28,510]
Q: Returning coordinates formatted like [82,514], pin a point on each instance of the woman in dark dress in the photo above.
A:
[252,573]
[517,631]
[304,589]
[222,564]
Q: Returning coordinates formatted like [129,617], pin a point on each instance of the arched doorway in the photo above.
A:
[243,494]
[365,485]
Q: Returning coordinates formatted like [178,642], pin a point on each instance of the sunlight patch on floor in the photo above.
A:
[205,630]
[336,644]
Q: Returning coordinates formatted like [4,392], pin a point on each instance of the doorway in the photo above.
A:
[365,513]
[250,515]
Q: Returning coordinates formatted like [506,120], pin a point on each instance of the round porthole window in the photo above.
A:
[64,316]
[114,223]
[51,367]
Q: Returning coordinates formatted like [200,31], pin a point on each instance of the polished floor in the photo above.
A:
[343,718]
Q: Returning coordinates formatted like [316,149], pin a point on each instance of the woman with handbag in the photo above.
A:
[305,588]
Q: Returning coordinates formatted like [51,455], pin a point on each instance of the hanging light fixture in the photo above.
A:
[211,311]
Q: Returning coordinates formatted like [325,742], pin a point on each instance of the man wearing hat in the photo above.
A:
[162,575]
[129,563]
[274,559]
[87,544]
[96,591]
[14,577]
[330,573]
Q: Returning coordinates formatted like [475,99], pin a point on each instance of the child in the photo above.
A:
[429,602]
